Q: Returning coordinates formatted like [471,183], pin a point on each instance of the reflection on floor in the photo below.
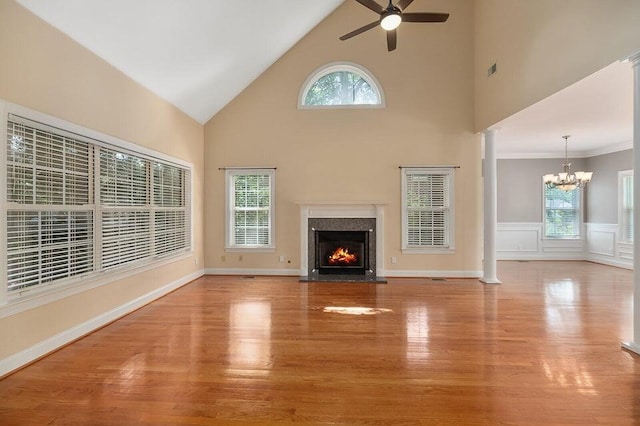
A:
[541,348]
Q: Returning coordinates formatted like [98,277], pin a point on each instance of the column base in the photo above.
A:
[632,347]
[490,280]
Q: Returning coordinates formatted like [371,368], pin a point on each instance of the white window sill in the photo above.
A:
[30,298]
[250,249]
[428,250]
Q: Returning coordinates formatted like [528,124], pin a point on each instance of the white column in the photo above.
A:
[635,344]
[490,207]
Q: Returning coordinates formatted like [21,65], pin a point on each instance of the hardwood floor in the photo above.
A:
[543,348]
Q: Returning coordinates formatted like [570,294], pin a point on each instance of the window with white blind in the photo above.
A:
[427,210]
[625,205]
[250,209]
[562,214]
[77,207]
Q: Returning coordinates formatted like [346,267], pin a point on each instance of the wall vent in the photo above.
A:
[492,70]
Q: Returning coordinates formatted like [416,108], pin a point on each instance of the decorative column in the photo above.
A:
[635,344]
[490,174]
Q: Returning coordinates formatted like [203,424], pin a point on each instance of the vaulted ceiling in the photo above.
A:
[196,54]
[199,54]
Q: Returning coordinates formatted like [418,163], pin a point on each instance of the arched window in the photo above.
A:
[341,85]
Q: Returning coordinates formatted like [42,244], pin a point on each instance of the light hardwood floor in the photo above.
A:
[543,348]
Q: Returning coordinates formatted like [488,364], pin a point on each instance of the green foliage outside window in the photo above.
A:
[341,88]
[562,213]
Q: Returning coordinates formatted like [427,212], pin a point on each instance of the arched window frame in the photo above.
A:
[335,67]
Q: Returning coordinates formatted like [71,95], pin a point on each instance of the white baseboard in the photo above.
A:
[15,361]
[385,273]
[605,260]
[431,274]
[631,346]
[251,271]
[544,256]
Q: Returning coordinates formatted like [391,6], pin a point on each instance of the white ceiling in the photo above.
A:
[196,54]
[200,54]
[597,112]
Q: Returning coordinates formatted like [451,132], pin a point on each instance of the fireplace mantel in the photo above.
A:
[341,210]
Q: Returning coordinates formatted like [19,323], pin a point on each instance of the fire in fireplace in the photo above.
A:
[342,252]
[342,256]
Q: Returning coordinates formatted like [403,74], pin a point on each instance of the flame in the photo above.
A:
[342,256]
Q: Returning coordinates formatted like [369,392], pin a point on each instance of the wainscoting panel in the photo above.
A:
[518,237]
[601,239]
[524,241]
[604,246]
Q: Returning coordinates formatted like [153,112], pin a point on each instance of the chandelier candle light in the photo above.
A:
[566,180]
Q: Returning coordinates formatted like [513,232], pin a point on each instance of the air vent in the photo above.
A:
[492,70]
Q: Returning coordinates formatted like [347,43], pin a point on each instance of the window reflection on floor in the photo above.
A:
[417,334]
[562,314]
[250,338]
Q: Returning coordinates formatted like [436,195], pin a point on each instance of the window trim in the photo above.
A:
[580,209]
[229,210]
[329,68]
[622,174]
[450,248]
[38,295]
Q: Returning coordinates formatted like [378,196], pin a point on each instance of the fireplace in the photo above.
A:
[342,252]
[341,249]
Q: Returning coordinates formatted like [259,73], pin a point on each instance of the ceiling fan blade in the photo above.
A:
[402,4]
[425,17]
[392,39]
[370,4]
[360,30]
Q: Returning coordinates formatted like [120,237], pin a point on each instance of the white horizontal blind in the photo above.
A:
[562,213]
[125,207]
[427,207]
[123,179]
[251,219]
[76,206]
[170,192]
[125,237]
[49,212]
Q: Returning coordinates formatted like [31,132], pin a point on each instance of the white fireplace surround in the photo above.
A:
[341,210]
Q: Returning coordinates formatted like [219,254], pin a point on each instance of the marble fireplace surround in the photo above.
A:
[341,210]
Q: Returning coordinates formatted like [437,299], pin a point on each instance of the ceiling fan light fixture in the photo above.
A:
[390,20]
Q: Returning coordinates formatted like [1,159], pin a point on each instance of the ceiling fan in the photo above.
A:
[391,17]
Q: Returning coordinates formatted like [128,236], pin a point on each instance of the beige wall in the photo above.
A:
[44,70]
[543,46]
[350,155]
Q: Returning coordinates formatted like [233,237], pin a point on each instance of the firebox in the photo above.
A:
[342,252]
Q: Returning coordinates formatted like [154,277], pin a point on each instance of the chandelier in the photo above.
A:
[566,180]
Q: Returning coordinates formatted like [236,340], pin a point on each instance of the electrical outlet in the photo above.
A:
[281,259]
[195,260]
[394,260]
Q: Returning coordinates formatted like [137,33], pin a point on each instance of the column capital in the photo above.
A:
[634,58]
[490,131]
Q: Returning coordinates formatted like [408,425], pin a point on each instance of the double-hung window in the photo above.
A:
[76,207]
[427,210]
[562,213]
[250,209]
[625,205]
